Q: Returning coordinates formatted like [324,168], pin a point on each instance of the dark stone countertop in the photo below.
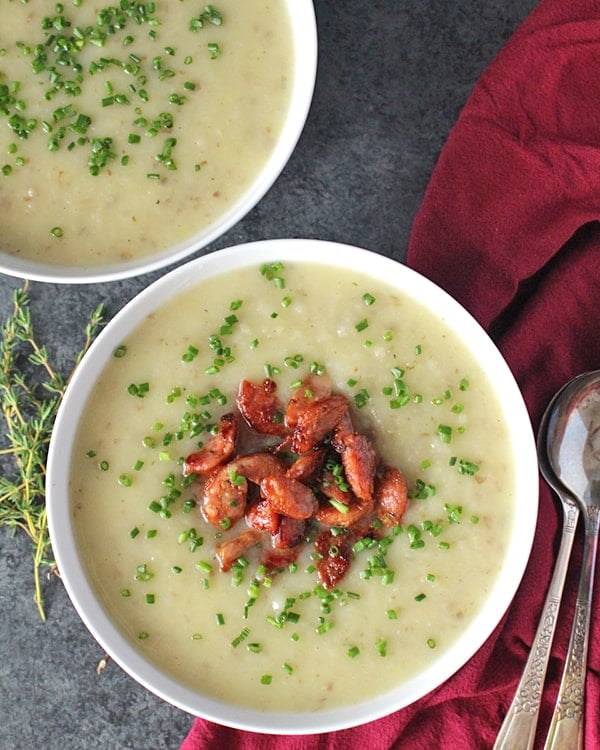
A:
[393,76]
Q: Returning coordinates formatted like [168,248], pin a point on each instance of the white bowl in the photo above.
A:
[303,26]
[522,456]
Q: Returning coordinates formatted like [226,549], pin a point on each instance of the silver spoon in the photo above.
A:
[519,726]
[573,447]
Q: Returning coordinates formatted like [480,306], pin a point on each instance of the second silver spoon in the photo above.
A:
[519,726]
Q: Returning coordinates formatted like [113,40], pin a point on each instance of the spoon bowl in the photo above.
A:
[545,465]
[573,443]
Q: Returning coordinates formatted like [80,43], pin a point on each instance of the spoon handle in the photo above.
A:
[566,727]
[519,725]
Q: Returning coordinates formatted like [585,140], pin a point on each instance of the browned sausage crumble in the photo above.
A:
[317,479]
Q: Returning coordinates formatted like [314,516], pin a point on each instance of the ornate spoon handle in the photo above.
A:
[566,728]
[518,728]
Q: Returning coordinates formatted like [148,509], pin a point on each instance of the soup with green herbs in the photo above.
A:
[279,639]
[129,128]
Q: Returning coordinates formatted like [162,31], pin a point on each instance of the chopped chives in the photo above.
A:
[339,506]
[240,638]
[143,574]
[214,50]
[361,398]
[444,433]
[467,468]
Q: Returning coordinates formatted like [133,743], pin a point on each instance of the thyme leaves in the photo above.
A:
[31,390]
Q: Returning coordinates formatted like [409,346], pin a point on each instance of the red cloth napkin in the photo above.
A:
[509,226]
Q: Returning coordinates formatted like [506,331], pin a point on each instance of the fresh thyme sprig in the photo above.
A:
[30,393]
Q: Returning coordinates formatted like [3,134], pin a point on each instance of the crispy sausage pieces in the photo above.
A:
[318,474]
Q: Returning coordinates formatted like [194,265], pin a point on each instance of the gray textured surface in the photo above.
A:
[393,76]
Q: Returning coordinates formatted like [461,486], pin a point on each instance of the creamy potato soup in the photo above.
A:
[128,128]
[282,641]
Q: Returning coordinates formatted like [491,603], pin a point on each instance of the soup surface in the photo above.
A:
[284,642]
[126,132]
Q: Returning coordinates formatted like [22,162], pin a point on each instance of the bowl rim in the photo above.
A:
[305,37]
[524,455]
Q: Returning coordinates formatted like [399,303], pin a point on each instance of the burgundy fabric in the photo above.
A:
[510,226]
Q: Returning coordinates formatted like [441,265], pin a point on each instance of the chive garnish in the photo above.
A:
[444,433]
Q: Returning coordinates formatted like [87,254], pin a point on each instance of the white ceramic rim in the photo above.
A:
[304,29]
[252,255]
